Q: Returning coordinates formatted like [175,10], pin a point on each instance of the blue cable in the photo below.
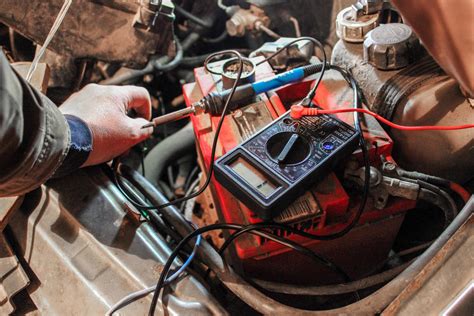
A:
[142,293]
[187,262]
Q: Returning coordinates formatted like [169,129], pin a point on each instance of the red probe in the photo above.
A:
[298,111]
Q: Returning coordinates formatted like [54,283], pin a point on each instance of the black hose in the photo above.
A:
[155,64]
[156,220]
[432,194]
[167,66]
[168,151]
[128,75]
[195,61]
[188,15]
[217,39]
[336,289]
[425,177]
[190,40]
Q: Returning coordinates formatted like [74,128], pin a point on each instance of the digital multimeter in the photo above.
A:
[271,169]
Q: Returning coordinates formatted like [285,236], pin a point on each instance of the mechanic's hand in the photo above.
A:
[104,109]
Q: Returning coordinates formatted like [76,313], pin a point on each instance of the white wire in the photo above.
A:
[221,5]
[57,23]
[132,297]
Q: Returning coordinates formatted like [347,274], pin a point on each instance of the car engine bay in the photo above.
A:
[307,158]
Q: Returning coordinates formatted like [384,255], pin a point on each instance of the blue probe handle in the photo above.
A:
[279,80]
[215,101]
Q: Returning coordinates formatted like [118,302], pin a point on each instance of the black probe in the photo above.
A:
[214,102]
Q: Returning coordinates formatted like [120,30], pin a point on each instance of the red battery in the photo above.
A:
[324,209]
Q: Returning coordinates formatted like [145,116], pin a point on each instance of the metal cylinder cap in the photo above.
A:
[236,26]
[353,29]
[391,46]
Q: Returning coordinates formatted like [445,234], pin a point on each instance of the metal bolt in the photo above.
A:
[389,166]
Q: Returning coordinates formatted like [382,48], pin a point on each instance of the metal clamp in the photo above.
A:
[382,186]
[150,10]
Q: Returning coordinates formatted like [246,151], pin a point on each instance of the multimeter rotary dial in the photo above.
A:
[288,148]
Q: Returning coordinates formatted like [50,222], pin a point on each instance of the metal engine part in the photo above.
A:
[283,15]
[243,21]
[391,46]
[419,93]
[294,56]
[353,29]
[106,30]
[88,250]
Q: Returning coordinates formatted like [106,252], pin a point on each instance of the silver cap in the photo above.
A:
[353,29]
[391,46]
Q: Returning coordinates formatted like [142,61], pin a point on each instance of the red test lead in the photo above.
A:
[298,111]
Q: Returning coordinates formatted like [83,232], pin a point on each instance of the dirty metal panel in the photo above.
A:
[12,277]
[87,253]
[91,29]
[441,281]
[8,205]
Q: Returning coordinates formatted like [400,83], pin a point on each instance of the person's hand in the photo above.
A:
[104,109]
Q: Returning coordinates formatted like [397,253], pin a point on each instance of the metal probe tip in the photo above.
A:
[170,117]
[148,125]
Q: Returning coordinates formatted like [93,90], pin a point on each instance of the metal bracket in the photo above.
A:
[149,12]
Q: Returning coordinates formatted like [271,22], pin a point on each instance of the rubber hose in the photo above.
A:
[335,289]
[168,151]
[192,17]
[438,201]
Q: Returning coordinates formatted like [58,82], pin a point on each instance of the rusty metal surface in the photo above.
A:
[12,277]
[91,29]
[445,154]
[442,279]
[371,80]
[87,253]
[412,96]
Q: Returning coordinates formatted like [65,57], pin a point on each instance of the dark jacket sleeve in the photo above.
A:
[34,135]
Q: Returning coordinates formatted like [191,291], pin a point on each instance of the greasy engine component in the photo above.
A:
[284,18]
[242,21]
[94,29]
[354,28]
[294,56]
[324,208]
[88,248]
[404,84]
[391,47]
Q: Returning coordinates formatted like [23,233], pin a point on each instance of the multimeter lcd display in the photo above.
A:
[253,177]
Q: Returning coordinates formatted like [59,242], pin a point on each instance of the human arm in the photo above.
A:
[35,137]
[446,29]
